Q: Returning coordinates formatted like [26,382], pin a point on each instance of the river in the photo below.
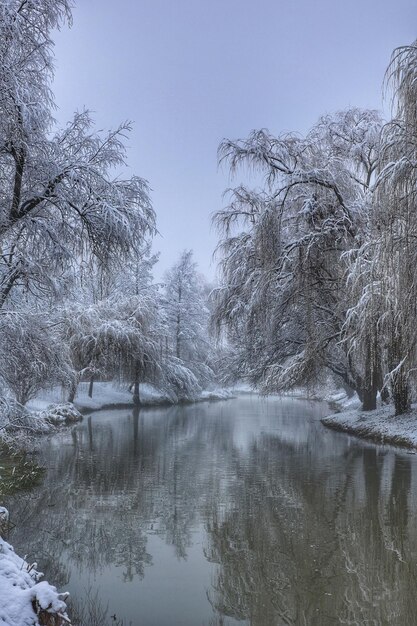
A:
[246,511]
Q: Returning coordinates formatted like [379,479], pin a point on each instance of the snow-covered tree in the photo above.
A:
[118,330]
[384,316]
[59,194]
[112,330]
[187,317]
[284,295]
[64,206]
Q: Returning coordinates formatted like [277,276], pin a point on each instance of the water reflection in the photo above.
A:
[244,511]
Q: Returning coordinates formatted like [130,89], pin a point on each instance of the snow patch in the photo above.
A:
[57,414]
[21,591]
[380,425]
[107,395]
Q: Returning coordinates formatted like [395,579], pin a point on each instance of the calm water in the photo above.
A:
[240,512]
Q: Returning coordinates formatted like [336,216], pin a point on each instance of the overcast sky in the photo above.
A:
[188,73]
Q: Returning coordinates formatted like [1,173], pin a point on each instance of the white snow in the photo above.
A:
[20,589]
[215,394]
[109,395]
[380,425]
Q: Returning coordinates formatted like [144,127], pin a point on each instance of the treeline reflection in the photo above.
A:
[302,526]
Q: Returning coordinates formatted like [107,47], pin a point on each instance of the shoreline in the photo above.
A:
[109,396]
[380,426]
[84,409]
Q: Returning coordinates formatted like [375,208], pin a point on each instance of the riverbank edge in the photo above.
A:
[380,426]
[87,410]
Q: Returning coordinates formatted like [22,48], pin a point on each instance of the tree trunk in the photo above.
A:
[90,387]
[399,383]
[384,395]
[369,399]
[371,377]
[178,329]
[72,391]
[136,396]
[401,394]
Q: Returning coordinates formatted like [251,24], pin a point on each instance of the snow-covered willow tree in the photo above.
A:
[114,338]
[384,271]
[59,195]
[284,295]
[118,330]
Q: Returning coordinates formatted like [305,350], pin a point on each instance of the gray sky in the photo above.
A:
[191,72]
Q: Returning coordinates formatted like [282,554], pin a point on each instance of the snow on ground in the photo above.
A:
[49,410]
[342,401]
[380,425]
[108,395]
[21,591]
[216,394]
[19,425]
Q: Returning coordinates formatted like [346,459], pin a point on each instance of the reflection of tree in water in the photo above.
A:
[297,537]
[297,544]
[270,560]
[113,482]
[378,546]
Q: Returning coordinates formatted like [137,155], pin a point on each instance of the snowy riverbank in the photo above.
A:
[381,425]
[24,599]
[106,395]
